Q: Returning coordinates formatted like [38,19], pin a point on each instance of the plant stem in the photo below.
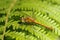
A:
[6,21]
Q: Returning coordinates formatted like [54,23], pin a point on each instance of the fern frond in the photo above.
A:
[46,14]
[49,22]
[37,31]
[44,19]
[20,36]
[53,12]
[1,29]
[2,19]
[8,12]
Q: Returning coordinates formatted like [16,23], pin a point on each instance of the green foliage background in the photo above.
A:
[46,12]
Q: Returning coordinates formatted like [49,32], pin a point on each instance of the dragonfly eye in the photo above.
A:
[21,19]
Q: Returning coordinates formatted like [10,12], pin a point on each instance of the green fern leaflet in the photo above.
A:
[29,19]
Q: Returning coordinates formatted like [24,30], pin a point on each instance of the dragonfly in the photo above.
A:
[31,20]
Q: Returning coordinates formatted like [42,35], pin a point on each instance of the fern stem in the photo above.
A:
[8,12]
